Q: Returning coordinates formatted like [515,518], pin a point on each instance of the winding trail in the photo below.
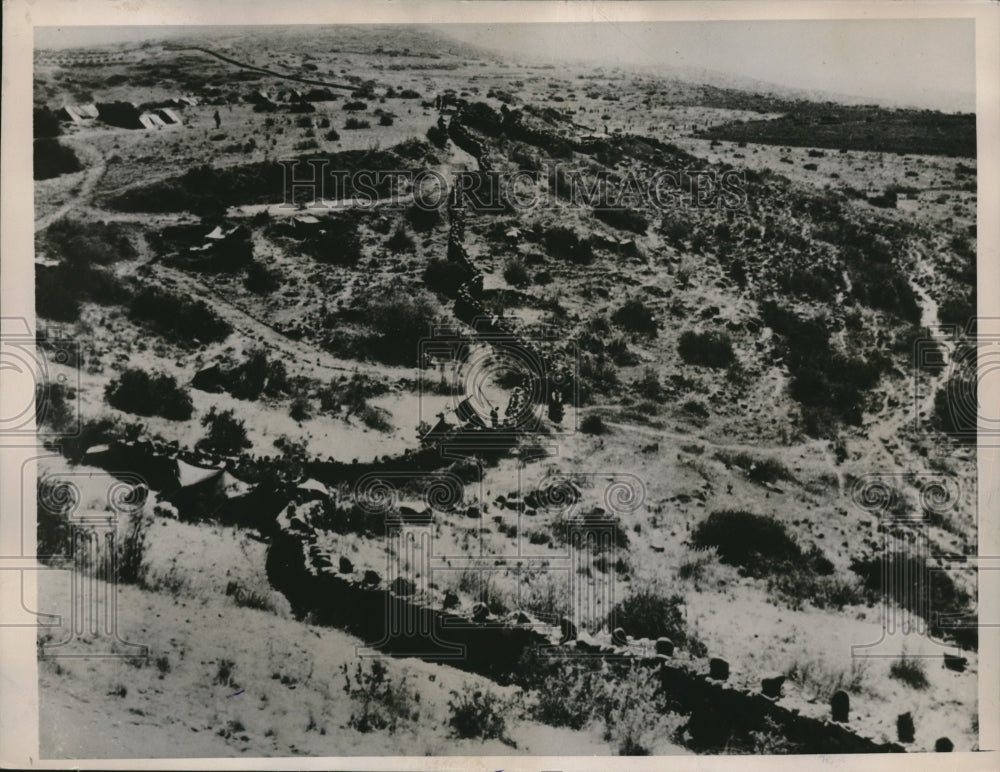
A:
[93,175]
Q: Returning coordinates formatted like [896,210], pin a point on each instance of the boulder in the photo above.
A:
[480,612]
[568,629]
[956,663]
[664,647]
[770,685]
[718,669]
[840,706]
[905,731]
[346,566]
[618,637]
[372,577]
[450,600]
[403,587]
[586,643]
[473,511]
[944,745]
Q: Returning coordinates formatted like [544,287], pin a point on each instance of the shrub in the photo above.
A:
[758,544]
[136,391]
[332,136]
[227,435]
[477,714]
[300,409]
[386,120]
[910,671]
[131,549]
[515,274]
[87,243]
[593,424]
[650,613]
[916,588]
[709,349]
[52,158]
[355,106]
[260,279]
[45,123]
[622,219]
[382,704]
[635,316]
[400,241]
[355,123]
[181,320]
[565,243]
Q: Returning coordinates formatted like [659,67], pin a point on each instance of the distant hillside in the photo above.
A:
[858,128]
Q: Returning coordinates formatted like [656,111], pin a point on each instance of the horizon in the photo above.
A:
[867,61]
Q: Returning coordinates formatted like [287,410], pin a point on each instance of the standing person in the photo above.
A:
[495,417]
[218,119]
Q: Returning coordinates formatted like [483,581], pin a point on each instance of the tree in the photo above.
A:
[227,435]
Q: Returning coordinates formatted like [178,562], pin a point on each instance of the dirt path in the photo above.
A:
[264,70]
[97,167]
[301,353]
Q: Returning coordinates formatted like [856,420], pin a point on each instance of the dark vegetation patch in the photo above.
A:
[829,385]
[209,190]
[916,587]
[179,320]
[708,349]
[142,393]
[858,128]
[52,158]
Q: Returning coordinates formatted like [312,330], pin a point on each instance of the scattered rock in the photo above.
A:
[770,685]
[473,511]
[480,612]
[718,669]
[905,730]
[944,745]
[450,599]
[956,663]
[665,647]
[585,642]
[372,577]
[346,566]
[618,637]
[403,587]
[840,706]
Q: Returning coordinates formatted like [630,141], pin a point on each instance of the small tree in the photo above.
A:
[227,435]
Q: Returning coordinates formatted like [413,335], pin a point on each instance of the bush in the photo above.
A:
[758,544]
[910,671]
[565,243]
[444,276]
[400,241]
[649,613]
[300,410]
[355,123]
[709,349]
[385,120]
[180,320]
[382,703]
[136,391]
[622,219]
[45,123]
[81,243]
[477,714]
[52,159]
[332,136]
[260,279]
[918,587]
[593,424]
[227,435]
[515,274]
[355,106]
[634,316]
